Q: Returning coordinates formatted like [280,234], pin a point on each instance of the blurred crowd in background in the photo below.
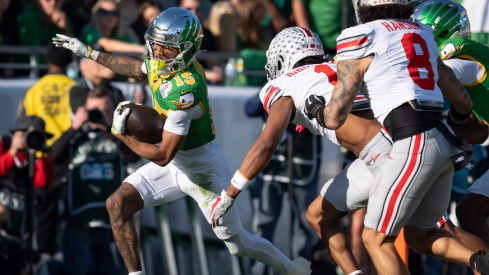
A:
[237,26]
[75,99]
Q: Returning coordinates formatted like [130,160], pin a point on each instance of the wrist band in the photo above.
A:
[93,55]
[457,117]
[239,181]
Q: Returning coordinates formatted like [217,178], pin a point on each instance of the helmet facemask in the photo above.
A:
[163,66]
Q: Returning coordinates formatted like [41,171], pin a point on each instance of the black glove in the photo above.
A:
[315,108]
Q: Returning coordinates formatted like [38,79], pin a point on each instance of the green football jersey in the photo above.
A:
[180,91]
[465,48]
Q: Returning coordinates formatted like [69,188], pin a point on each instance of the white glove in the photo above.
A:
[73,45]
[119,120]
[219,206]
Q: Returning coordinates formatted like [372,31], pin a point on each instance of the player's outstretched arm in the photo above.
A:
[257,158]
[122,65]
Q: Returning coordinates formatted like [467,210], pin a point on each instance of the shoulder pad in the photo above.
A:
[353,38]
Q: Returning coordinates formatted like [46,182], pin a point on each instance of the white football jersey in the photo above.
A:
[404,66]
[299,84]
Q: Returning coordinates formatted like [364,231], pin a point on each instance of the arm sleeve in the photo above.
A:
[178,121]
[466,71]
[44,169]
[6,162]
[127,154]
[143,68]
[60,148]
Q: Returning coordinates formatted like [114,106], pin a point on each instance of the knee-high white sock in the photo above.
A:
[356,272]
[137,273]
[246,244]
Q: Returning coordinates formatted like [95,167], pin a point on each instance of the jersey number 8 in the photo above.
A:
[418,58]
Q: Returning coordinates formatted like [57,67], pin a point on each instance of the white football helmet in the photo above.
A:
[357,3]
[290,46]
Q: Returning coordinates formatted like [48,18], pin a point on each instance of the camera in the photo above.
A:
[96,116]
[34,139]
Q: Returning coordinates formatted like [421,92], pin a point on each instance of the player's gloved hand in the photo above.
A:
[73,45]
[219,206]
[119,120]
[314,108]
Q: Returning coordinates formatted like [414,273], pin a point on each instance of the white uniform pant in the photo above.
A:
[413,186]
[158,185]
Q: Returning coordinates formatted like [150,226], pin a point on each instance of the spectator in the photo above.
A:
[147,12]
[40,20]
[13,187]
[251,33]
[272,185]
[213,70]
[129,11]
[92,75]
[322,17]
[9,32]
[108,30]
[279,14]
[97,160]
[165,4]
[79,12]
[49,99]
[223,23]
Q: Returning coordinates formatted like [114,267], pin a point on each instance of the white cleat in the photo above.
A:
[300,266]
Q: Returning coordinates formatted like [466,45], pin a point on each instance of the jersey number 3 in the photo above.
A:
[419,57]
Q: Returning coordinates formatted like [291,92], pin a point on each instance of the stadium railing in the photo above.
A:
[34,66]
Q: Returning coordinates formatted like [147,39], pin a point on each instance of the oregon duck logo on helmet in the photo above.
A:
[447,19]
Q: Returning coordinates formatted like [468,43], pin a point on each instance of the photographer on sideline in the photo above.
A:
[96,168]
[13,192]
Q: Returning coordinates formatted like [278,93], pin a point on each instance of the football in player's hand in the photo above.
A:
[144,123]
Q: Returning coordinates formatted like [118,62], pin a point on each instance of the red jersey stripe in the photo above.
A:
[267,98]
[400,185]
[352,43]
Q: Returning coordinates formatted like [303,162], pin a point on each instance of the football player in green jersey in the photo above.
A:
[469,61]
[187,161]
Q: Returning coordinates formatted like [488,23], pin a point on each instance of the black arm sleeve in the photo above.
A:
[128,155]
[60,148]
